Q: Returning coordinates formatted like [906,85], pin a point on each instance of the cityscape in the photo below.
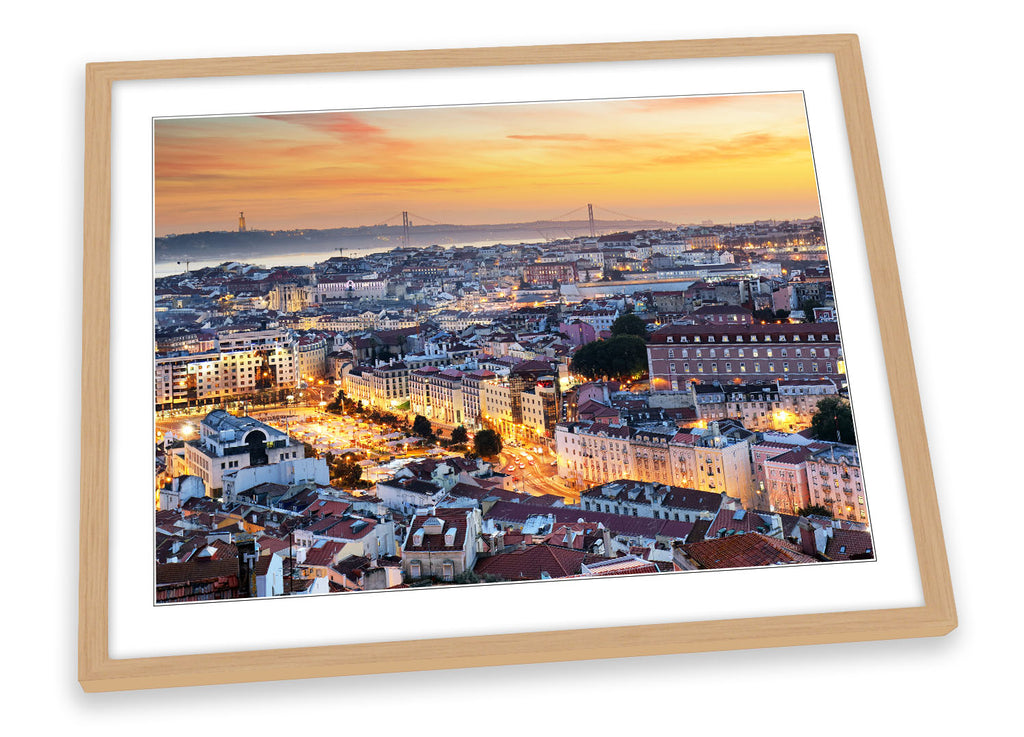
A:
[607,395]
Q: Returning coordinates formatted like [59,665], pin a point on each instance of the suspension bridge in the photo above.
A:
[575,222]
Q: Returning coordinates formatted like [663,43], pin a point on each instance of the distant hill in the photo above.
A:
[232,245]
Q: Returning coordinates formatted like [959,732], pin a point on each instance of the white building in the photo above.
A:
[228,443]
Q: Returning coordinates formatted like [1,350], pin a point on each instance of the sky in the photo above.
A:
[732,158]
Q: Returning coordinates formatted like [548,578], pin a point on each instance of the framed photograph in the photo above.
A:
[438,359]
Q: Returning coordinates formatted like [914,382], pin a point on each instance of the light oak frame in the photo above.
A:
[98,672]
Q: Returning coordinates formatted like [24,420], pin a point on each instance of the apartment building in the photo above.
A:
[678,354]
[241,363]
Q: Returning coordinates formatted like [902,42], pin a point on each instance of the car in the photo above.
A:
[511,467]
[522,465]
[531,461]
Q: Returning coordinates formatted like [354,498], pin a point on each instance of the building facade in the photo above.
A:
[678,354]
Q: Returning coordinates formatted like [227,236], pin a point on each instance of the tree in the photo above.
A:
[620,357]
[833,421]
[815,509]
[347,473]
[459,435]
[629,324]
[555,285]
[523,284]
[487,443]
[770,315]
[421,426]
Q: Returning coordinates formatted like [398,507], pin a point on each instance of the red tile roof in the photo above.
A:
[844,544]
[532,563]
[743,551]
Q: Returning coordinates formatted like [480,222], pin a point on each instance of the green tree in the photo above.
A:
[833,421]
[620,357]
[347,473]
[629,324]
[421,426]
[487,443]
[815,509]
[459,435]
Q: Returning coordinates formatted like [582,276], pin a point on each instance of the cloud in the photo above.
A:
[561,138]
[744,146]
[342,125]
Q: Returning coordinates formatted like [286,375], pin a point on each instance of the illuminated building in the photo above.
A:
[677,354]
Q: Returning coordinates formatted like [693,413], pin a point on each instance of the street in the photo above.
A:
[534,473]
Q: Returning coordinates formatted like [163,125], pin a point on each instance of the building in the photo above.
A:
[785,480]
[228,443]
[546,273]
[593,453]
[473,402]
[678,354]
[290,297]
[348,287]
[757,406]
[799,400]
[655,501]
[442,544]
[240,364]
[311,357]
[834,481]
[716,458]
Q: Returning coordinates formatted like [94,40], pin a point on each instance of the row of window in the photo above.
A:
[756,368]
[752,339]
[755,353]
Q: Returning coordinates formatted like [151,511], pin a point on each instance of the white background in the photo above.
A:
[942,91]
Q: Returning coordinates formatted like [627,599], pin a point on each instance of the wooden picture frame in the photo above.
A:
[100,672]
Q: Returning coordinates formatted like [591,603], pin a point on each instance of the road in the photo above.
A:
[534,474]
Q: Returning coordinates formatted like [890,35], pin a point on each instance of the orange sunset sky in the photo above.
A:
[726,158]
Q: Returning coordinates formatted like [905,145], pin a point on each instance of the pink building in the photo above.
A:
[579,333]
[786,480]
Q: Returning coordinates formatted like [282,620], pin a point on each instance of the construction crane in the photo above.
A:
[186,265]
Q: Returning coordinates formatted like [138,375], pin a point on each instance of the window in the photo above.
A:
[448,570]
[671,353]
[415,569]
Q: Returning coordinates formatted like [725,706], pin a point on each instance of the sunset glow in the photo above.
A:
[729,158]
